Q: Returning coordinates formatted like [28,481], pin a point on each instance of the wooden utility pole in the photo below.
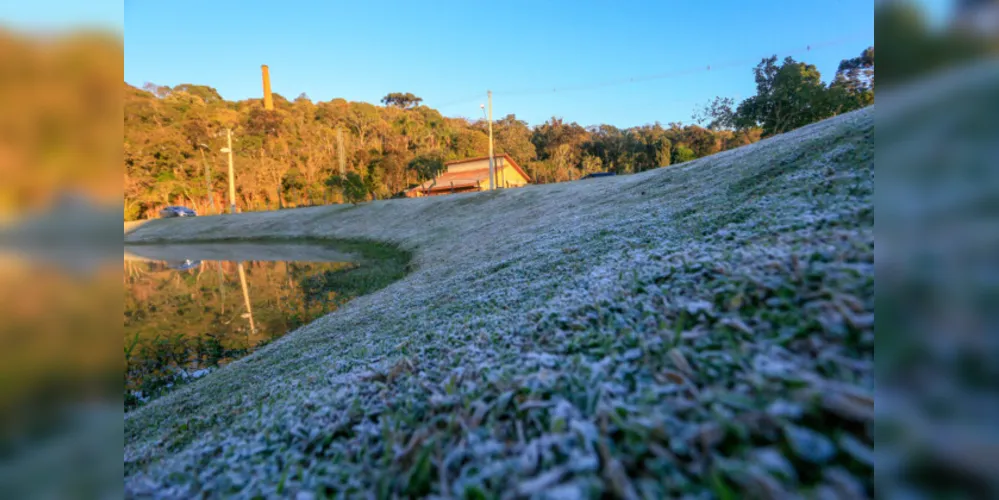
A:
[492,167]
[341,154]
[246,297]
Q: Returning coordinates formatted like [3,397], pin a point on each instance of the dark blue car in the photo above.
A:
[177,211]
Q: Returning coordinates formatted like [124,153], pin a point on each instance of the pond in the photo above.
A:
[192,308]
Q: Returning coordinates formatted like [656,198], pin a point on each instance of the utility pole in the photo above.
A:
[340,152]
[232,176]
[246,298]
[492,167]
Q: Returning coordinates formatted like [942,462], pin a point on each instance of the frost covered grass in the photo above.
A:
[697,330]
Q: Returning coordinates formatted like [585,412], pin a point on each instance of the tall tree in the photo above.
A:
[853,86]
[427,168]
[513,137]
[352,186]
[400,100]
[718,114]
[788,95]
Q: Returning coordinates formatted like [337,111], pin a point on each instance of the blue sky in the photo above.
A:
[56,15]
[448,51]
[574,59]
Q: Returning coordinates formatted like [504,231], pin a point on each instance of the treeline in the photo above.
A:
[293,155]
[791,94]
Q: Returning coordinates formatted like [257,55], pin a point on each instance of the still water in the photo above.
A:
[191,309]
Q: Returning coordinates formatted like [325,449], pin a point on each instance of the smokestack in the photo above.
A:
[268,100]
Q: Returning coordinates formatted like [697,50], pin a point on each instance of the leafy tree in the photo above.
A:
[374,182]
[701,140]
[261,122]
[682,153]
[513,137]
[853,86]
[561,146]
[353,187]
[160,91]
[400,100]
[719,114]
[653,147]
[388,173]
[293,184]
[427,168]
[591,164]
[468,142]
[788,95]
[362,118]
[207,94]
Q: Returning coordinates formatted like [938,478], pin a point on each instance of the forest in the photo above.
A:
[294,154]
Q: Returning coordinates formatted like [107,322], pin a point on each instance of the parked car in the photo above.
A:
[599,174]
[184,265]
[177,211]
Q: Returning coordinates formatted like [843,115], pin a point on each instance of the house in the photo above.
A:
[472,174]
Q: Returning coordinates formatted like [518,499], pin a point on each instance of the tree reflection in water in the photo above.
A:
[183,319]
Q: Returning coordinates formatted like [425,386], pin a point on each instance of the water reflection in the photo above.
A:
[183,318]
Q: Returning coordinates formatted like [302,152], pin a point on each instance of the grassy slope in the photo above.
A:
[698,328]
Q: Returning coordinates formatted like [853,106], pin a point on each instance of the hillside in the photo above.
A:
[700,328]
[285,157]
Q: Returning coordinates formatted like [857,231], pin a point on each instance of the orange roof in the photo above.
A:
[459,179]
[505,157]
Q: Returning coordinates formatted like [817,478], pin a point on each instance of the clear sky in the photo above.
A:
[58,15]
[572,59]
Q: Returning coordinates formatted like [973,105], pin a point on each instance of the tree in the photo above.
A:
[390,171]
[427,168]
[374,182]
[561,146]
[468,142]
[702,141]
[591,164]
[400,100]
[207,94]
[353,187]
[361,118]
[858,72]
[261,122]
[788,96]
[682,153]
[653,147]
[513,137]
[719,114]
[853,86]
[293,185]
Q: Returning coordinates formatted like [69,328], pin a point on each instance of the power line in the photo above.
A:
[675,73]
[705,68]
[476,97]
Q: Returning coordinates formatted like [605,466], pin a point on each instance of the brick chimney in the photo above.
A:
[268,100]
